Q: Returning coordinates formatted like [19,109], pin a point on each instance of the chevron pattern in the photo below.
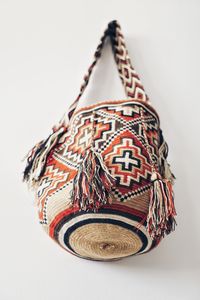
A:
[126,144]
[128,75]
[118,136]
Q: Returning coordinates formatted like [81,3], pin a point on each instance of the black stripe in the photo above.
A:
[100,211]
[141,235]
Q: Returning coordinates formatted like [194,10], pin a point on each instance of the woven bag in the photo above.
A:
[103,186]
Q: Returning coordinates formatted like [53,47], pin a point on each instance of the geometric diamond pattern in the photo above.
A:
[127,161]
[118,136]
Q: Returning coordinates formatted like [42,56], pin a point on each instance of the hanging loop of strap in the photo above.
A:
[130,79]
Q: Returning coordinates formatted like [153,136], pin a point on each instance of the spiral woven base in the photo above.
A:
[112,139]
[117,230]
[104,241]
[114,232]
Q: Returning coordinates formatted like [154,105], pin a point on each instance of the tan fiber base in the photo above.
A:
[104,241]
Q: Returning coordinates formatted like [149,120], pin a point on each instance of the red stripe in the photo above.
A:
[68,211]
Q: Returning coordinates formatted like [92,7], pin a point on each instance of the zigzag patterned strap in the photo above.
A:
[129,77]
[36,158]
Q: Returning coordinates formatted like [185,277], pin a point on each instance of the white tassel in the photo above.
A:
[162,212]
[92,183]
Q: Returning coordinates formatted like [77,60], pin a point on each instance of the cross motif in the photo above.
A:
[85,137]
[127,160]
[45,183]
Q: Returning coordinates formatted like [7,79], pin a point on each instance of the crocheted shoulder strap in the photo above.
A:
[37,156]
[129,77]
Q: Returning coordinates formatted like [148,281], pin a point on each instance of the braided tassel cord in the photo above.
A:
[161,216]
[162,212]
[92,183]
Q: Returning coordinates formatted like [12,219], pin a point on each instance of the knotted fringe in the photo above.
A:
[161,216]
[92,183]
[37,156]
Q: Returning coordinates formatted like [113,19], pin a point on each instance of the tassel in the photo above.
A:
[164,165]
[168,173]
[165,169]
[37,156]
[92,183]
[161,216]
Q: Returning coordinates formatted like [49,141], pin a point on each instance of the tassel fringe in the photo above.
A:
[164,165]
[161,216]
[168,173]
[37,156]
[92,184]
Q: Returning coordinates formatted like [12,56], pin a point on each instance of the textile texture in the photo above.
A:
[102,182]
[120,139]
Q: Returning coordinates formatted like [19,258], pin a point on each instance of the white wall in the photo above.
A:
[45,49]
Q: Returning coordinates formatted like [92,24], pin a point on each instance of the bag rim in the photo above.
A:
[112,101]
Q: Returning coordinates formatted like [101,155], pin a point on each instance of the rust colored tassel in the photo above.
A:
[162,212]
[92,183]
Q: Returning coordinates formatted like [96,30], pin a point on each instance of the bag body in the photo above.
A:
[102,182]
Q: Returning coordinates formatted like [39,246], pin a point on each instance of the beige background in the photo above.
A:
[45,49]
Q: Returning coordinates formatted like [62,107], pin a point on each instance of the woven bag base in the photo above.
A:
[104,242]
